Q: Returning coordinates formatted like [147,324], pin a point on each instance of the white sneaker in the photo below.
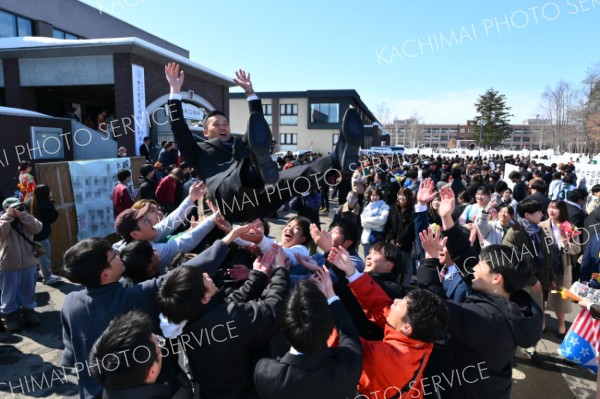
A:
[52,280]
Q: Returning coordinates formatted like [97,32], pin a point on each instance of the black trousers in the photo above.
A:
[241,201]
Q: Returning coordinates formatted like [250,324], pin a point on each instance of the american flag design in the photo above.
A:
[581,344]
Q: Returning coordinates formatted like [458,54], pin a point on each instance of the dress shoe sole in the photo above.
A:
[259,143]
[352,133]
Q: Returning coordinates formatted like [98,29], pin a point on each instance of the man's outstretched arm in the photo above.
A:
[183,136]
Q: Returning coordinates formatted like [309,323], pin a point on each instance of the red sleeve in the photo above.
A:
[372,298]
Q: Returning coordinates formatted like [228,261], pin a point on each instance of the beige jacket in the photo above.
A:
[15,252]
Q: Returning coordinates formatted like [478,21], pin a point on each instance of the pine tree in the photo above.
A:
[493,111]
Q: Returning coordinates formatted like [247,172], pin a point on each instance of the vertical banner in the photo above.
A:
[139,106]
[93,184]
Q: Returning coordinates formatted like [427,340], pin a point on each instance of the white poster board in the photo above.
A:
[590,172]
[93,183]
[139,105]
[508,169]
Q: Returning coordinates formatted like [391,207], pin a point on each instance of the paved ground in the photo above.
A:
[29,361]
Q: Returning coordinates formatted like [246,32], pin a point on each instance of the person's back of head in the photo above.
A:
[514,175]
[306,320]
[456,173]
[500,186]
[146,169]
[577,195]
[137,259]
[85,261]
[427,315]
[528,206]
[180,297]
[123,174]
[539,186]
[125,355]
[507,262]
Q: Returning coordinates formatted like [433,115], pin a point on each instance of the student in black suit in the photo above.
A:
[310,369]
[576,200]
[146,149]
[237,171]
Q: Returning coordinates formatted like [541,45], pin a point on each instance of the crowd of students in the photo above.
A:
[455,273]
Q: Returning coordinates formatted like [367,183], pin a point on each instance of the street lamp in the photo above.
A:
[480,137]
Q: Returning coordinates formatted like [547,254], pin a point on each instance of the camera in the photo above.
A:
[19,207]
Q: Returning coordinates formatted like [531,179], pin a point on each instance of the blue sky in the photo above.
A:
[432,58]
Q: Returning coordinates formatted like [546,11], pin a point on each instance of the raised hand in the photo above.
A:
[254,236]
[447,202]
[238,231]
[223,224]
[174,77]
[320,237]
[341,259]
[239,272]
[322,279]
[307,263]
[243,80]
[426,192]
[263,263]
[197,191]
[432,243]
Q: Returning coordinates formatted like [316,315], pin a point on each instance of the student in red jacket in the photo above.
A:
[122,197]
[394,366]
[165,192]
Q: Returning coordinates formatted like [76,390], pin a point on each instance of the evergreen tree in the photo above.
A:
[493,111]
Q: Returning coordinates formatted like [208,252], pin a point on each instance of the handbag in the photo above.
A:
[37,248]
[376,236]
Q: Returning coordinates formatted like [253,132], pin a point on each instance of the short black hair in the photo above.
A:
[211,114]
[500,186]
[306,319]
[304,224]
[427,314]
[124,352]
[577,195]
[136,256]
[514,175]
[539,186]
[85,261]
[508,262]
[180,296]
[392,254]
[528,206]
[123,174]
[146,169]
[595,188]
[349,231]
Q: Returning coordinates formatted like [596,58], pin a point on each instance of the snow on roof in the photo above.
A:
[22,112]
[30,42]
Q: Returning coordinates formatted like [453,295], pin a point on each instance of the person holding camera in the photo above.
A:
[17,264]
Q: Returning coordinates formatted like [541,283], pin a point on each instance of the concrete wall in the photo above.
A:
[82,20]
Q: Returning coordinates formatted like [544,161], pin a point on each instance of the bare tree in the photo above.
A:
[559,105]
[383,114]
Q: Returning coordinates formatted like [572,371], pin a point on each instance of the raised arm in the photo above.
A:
[183,136]
[242,79]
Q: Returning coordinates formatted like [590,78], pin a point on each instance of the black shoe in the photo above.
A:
[537,358]
[259,143]
[345,155]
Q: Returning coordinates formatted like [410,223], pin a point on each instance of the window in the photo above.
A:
[48,142]
[288,138]
[268,113]
[288,114]
[61,34]
[334,140]
[324,113]
[14,26]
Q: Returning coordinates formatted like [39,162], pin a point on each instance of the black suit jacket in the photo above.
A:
[329,373]
[576,215]
[145,152]
[208,157]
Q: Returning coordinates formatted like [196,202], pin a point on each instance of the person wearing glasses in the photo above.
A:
[86,313]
